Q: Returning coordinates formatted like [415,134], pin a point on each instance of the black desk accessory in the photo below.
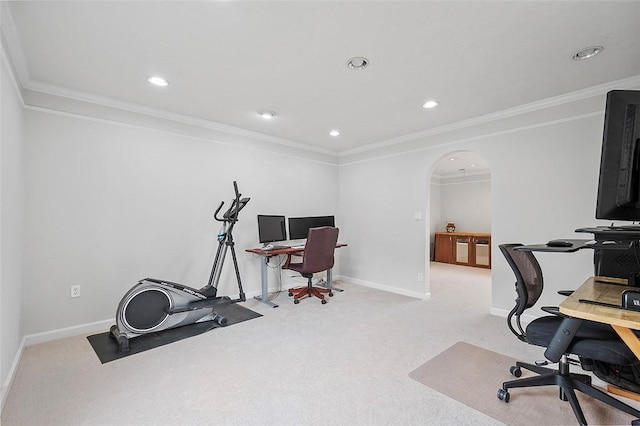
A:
[630,301]
[576,244]
[560,243]
[596,302]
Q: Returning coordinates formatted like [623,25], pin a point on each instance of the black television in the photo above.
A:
[299,226]
[271,228]
[619,181]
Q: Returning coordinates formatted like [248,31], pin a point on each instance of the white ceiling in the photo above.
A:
[461,164]
[226,60]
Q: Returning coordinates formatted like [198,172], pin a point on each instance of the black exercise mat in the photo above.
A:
[107,348]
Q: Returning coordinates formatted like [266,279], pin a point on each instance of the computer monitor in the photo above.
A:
[299,226]
[619,183]
[271,228]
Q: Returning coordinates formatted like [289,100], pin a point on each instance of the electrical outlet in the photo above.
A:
[75,291]
[420,277]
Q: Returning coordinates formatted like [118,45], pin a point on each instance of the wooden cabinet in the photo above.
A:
[463,248]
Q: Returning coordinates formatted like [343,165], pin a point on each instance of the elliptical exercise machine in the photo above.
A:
[154,305]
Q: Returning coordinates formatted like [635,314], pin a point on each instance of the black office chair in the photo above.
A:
[561,336]
[317,257]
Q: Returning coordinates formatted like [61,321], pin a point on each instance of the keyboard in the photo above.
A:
[274,247]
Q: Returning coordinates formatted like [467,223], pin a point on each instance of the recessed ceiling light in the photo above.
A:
[587,52]
[267,115]
[430,104]
[452,158]
[334,133]
[358,63]
[158,81]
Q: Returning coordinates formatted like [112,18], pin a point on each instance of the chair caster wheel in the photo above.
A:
[290,294]
[330,294]
[516,371]
[296,301]
[503,395]
[323,301]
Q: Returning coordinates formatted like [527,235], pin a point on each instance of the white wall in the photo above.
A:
[436,221]
[387,245]
[465,201]
[467,204]
[109,204]
[544,170]
[12,178]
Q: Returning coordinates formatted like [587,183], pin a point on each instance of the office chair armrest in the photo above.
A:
[565,292]
[554,310]
[562,339]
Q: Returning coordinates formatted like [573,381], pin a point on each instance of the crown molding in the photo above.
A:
[499,115]
[79,96]
[18,64]
[11,45]
[481,175]
[482,135]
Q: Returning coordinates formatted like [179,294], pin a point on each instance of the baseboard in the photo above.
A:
[526,319]
[94,327]
[12,372]
[377,286]
[48,336]
[499,312]
[61,333]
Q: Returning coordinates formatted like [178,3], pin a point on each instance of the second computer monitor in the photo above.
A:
[299,226]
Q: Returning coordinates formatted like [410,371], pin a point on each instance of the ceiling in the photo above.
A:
[227,60]
[461,164]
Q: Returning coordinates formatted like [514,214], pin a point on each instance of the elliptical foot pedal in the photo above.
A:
[123,341]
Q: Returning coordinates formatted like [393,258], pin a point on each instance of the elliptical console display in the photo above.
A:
[154,305]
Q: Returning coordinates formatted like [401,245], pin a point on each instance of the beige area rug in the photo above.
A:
[473,375]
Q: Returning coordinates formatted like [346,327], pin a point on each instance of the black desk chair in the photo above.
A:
[317,257]
[561,336]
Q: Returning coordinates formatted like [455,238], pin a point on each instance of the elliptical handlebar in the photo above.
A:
[237,204]
[215,215]
[235,188]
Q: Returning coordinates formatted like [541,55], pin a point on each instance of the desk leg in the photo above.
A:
[264,282]
[329,283]
[630,339]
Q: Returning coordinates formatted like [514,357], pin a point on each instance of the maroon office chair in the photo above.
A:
[317,257]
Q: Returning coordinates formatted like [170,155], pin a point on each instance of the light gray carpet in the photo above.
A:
[343,363]
[472,375]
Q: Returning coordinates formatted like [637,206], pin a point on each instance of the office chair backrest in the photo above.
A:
[318,252]
[529,282]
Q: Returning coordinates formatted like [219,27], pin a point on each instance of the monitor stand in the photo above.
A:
[616,251]
[626,227]
[626,232]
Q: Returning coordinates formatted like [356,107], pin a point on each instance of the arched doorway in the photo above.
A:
[460,193]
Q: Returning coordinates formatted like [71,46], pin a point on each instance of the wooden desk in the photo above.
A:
[264,277]
[622,320]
